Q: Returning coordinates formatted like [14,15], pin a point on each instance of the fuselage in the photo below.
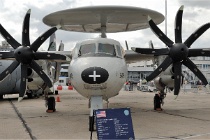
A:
[11,83]
[98,68]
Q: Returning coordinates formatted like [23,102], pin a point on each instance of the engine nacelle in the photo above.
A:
[169,71]
[164,81]
[31,73]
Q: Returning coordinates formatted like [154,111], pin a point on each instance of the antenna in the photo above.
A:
[103,31]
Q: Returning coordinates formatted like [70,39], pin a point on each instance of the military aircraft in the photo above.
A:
[98,67]
[176,55]
[25,66]
[35,85]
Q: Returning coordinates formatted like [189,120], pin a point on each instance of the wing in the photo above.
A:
[132,57]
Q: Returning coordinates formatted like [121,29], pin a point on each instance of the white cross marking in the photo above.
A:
[94,75]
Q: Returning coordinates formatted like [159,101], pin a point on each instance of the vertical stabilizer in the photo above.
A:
[61,46]
[52,44]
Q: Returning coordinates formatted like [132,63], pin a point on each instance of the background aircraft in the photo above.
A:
[25,71]
[177,54]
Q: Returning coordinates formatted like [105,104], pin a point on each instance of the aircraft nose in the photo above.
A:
[95,75]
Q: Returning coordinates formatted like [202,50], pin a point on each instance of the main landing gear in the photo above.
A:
[1,97]
[158,100]
[50,103]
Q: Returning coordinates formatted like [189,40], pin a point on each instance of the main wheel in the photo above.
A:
[156,101]
[1,97]
[51,104]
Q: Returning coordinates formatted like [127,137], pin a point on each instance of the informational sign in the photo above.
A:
[114,124]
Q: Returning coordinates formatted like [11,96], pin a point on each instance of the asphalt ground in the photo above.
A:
[187,117]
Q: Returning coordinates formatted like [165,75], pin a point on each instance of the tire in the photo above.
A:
[156,101]
[30,95]
[56,92]
[51,104]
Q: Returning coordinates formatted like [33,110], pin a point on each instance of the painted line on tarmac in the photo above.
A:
[194,136]
[28,130]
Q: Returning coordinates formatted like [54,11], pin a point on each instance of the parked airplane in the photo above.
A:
[22,73]
[177,54]
[98,68]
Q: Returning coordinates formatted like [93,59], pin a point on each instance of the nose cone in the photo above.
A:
[94,75]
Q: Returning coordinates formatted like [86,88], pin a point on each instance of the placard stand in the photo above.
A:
[113,124]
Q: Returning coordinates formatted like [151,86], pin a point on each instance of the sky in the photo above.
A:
[196,13]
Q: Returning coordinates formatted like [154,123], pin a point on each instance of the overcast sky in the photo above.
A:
[196,13]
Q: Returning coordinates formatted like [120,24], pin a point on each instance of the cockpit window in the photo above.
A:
[106,48]
[119,52]
[87,49]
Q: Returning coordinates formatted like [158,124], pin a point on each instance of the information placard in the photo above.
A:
[114,124]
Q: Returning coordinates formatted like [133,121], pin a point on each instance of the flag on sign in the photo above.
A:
[100,114]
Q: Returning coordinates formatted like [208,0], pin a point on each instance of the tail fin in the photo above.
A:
[52,44]
[55,66]
[61,47]
[126,44]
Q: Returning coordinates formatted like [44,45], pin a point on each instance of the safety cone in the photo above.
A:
[58,98]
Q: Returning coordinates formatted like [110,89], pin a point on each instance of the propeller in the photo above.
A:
[25,54]
[178,53]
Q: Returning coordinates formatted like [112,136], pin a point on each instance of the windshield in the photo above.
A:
[87,49]
[64,74]
[106,48]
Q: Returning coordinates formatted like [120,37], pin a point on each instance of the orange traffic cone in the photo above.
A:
[58,98]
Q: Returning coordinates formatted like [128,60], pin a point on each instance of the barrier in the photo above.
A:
[70,87]
[59,87]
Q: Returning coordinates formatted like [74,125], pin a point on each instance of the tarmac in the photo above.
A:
[187,117]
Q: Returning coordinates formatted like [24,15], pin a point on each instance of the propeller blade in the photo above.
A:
[163,51]
[177,77]
[194,36]
[188,63]
[47,56]
[167,62]
[4,55]
[41,73]
[198,52]
[9,70]
[9,38]
[38,42]
[178,25]
[159,33]
[23,82]
[25,32]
